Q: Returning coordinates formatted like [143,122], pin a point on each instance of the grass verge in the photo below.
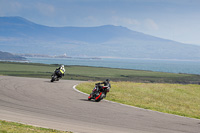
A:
[13,127]
[176,99]
[95,73]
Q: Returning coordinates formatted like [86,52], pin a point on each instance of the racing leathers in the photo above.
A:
[60,71]
[105,84]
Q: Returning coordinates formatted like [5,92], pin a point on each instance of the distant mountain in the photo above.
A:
[9,56]
[18,35]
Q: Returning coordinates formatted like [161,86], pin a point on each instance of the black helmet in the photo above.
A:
[108,80]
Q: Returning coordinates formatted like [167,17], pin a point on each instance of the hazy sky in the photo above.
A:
[177,20]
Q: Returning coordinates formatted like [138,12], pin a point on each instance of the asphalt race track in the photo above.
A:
[57,105]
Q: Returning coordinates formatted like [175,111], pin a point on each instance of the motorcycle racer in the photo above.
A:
[62,69]
[99,92]
[106,84]
[58,73]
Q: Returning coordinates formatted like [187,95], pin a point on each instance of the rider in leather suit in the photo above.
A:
[106,84]
[61,71]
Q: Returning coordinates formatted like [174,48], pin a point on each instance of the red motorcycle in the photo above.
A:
[98,93]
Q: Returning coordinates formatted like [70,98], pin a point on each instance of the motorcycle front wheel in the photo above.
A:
[89,97]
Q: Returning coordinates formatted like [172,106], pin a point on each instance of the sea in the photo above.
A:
[170,66]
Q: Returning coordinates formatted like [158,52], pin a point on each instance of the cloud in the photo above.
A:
[150,24]
[15,6]
[10,7]
[26,8]
[46,9]
[91,19]
[124,21]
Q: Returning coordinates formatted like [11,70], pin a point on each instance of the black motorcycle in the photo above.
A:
[98,93]
[56,75]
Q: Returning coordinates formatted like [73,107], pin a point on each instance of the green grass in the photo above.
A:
[13,127]
[26,69]
[168,98]
[95,73]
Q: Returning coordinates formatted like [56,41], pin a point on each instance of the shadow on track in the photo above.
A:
[87,100]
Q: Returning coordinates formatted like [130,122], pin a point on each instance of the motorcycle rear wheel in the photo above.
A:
[52,79]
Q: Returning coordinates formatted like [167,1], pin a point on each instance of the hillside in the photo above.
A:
[18,35]
[8,56]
